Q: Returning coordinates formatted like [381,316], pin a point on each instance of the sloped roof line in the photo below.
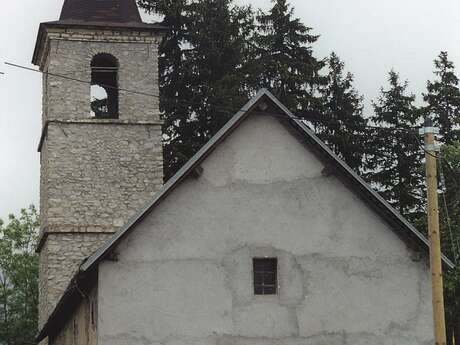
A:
[206,150]
[72,296]
[349,170]
[173,181]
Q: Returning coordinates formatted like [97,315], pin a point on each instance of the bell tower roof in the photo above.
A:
[109,11]
[95,14]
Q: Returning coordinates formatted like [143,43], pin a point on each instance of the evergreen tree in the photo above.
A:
[202,71]
[443,99]
[341,124]
[214,57]
[450,234]
[173,77]
[394,167]
[283,58]
[19,279]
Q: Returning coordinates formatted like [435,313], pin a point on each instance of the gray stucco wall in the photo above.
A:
[184,275]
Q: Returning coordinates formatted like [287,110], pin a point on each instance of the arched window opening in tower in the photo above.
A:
[104,86]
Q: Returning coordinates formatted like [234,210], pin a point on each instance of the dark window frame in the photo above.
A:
[265,275]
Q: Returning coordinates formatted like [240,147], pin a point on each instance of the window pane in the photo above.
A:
[258,278]
[265,275]
[269,290]
[258,290]
[269,278]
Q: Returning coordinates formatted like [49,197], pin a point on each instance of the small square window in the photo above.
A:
[265,276]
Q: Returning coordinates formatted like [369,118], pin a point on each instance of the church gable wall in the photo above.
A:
[184,275]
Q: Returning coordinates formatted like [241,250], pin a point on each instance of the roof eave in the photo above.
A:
[373,196]
[90,264]
[38,44]
[381,202]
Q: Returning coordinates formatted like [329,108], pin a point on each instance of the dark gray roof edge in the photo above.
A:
[90,264]
[198,157]
[61,310]
[358,178]
[173,181]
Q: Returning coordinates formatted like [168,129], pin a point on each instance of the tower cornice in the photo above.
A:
[118,122]
[93,31]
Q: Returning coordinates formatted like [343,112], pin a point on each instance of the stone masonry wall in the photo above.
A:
[69,54]
[98,174]
[57,268]
[95,173]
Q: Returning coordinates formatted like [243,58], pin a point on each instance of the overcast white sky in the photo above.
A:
[371,36]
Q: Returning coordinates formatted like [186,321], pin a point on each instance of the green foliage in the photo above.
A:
[395,158]
[215,56]
[341,124]
[450,200]
[451,172]
[173,80]
[283,59]
[450,233]
[202,71]
[443,98]
[19,279]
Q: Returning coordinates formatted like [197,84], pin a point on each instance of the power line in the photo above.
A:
[422,146]
[308,117]
[177,100]
[81,81]
[186,103]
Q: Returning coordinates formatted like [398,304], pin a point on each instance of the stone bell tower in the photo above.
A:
[101,152]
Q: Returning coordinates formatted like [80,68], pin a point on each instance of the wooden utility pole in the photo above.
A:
[433,233]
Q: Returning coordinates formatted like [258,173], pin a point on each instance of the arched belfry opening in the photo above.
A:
[104,86]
